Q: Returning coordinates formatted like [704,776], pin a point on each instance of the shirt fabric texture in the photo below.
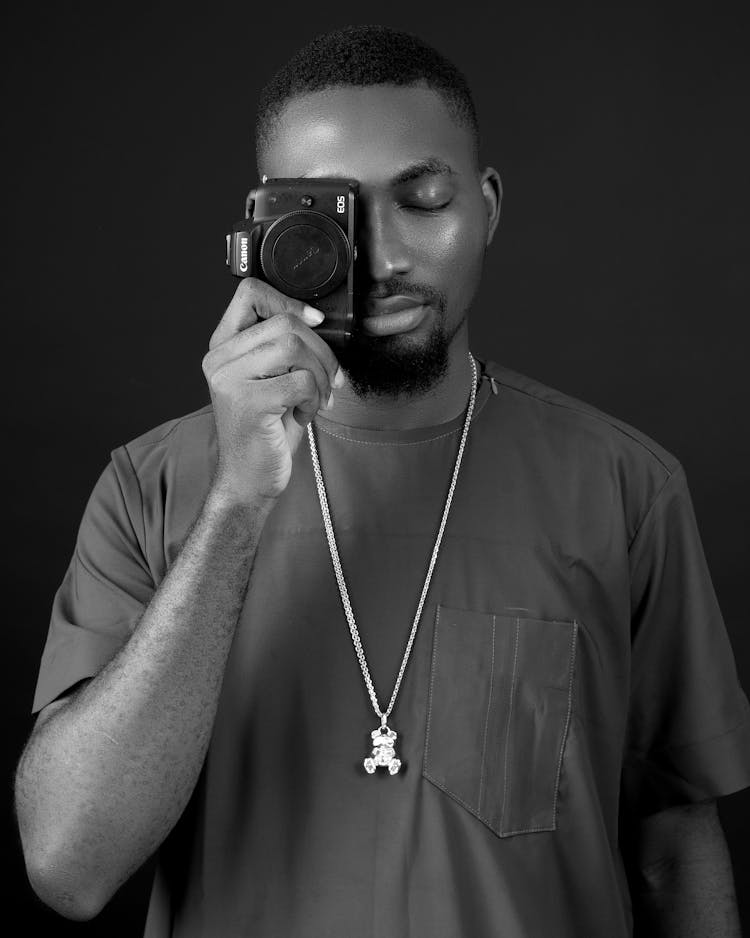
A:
[571,670]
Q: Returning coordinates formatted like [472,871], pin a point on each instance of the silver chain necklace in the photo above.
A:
[383,737]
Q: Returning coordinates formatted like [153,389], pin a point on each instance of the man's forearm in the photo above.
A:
[689,891]
[105,779]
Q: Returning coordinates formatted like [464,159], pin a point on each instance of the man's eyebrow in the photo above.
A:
[430,166]
[433,165]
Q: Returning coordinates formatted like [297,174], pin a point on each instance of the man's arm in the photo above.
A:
[680,874]
[104,779]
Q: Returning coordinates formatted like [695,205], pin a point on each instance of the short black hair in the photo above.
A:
[363,56]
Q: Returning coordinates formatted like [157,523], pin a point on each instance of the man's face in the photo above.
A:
[426,215]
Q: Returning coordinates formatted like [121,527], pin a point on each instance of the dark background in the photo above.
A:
[619,272]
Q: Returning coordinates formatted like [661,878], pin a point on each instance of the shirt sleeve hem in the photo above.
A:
[72,664]
[686,774]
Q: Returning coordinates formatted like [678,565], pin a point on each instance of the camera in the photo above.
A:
[299,236]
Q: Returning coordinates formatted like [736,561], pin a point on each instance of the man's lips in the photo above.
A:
[392,315]
[390,304]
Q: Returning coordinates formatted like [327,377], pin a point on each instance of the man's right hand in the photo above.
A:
[268,373]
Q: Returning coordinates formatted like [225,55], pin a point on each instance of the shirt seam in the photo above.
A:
[430,439]
[347,439]
[108,584]
[140,499]
[177,421]
[586,413]
[649,510]
[698,742]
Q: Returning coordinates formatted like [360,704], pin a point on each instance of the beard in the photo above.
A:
[402,364]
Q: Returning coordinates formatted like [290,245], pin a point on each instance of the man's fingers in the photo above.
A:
[254,300]
[275,359]
[283,329]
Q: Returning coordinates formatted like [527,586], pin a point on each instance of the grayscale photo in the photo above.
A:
[379,492]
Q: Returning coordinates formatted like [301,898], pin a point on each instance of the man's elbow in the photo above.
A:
[57,890]
[50,868]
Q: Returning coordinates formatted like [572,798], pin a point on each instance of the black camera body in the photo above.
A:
[299,236]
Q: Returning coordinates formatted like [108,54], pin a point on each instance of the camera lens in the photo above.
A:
[305,254]
[304,257]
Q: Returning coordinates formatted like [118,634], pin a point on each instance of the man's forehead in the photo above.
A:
[373,133]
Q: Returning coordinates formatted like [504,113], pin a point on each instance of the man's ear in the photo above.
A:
[250,199]
[492,190]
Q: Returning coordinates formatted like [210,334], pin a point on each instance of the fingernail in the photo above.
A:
[312,317]
[329,405]
[339,380]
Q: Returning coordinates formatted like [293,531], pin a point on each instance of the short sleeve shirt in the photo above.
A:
[571,667]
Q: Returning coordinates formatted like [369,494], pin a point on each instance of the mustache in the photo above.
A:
[396,286]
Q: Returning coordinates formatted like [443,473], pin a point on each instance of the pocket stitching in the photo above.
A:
[425,772]
[472,810]
[571,665]
[571,668]
[509,723]
[458,798]
[477,813]
[487,718]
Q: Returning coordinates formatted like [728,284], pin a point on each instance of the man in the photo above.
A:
[543,705]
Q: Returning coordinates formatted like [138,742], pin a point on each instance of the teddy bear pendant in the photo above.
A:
[383,751]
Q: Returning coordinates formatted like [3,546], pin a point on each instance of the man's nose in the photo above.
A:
[381,251]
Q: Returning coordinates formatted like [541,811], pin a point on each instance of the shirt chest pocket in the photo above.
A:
[501,691]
